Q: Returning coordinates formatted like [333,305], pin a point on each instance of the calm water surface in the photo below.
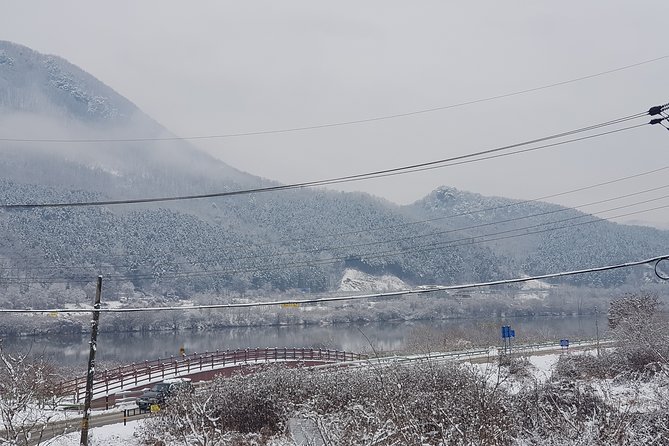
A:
[136,347]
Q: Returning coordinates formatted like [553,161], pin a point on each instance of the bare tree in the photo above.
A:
[26,397]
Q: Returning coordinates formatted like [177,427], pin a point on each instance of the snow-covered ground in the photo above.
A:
[627,395]
[112,435]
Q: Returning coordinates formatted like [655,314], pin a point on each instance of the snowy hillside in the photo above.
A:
[298,239]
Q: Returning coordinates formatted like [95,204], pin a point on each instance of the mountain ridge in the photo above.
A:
[301,239]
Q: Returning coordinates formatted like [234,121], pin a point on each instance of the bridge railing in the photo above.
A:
[110,381]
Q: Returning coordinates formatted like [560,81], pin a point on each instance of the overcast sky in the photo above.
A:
[212,67]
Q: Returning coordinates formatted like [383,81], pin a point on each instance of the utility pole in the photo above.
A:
[597,329]
[91,364]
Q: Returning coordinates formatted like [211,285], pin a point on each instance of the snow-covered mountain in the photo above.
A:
[280,240]
[541,237]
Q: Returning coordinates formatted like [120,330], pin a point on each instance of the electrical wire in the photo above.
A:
[384,228]
[320,300]
[476,211]
[467,241]
[341,123]
[357,177]
[378,242]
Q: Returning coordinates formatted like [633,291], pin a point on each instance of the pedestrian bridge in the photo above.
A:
[197,366]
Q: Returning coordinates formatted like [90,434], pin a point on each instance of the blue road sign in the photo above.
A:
[507,332]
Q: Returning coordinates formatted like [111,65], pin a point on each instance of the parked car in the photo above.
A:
[159,393]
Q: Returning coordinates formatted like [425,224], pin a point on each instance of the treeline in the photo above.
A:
[561,301]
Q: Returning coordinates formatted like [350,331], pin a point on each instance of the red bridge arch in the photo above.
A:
[198,366]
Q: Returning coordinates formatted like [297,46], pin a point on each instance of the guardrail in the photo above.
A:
[129,414]
[111,381]
[556,345]
[492,352]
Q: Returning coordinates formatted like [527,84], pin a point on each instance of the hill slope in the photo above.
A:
[296,239]
[539,237]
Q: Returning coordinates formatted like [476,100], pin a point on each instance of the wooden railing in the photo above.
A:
[108,382]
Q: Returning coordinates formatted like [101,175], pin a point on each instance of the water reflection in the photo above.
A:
[136,347]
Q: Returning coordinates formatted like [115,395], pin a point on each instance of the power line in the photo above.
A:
[461,159]
[466,228]
[341,123]
[450,231]
[385,228]
[467,241]
[476,211]
[390,240]
[457,161]
[425,248]
[655,260]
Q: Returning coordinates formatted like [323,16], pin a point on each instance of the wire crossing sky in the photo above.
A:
[427,82]
[452,161]
[336,124]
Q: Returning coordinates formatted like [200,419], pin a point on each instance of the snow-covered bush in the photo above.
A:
[641,331]
[414,404]
[425,403]
[607,365]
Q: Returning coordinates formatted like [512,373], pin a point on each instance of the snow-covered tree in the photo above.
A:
[27,397]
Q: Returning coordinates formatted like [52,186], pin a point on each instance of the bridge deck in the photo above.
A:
[197,366]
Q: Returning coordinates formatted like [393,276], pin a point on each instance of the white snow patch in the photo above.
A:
[111,435]
[535,285]
[527,295]
[354,280]
[543,366]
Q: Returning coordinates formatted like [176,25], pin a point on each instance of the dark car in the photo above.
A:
[161,391]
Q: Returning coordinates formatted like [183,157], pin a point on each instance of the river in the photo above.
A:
[115,348]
